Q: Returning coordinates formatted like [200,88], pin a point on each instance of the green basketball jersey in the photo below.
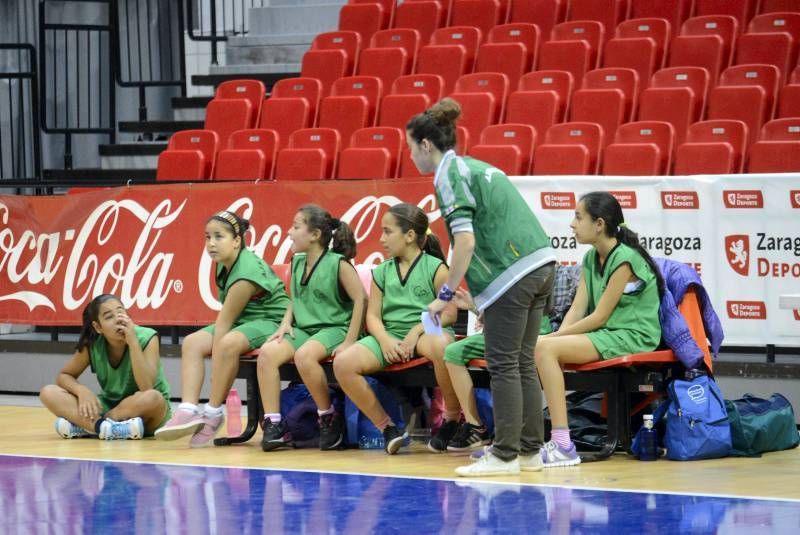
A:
[637,310]
[318,301]
[269,303]
[404,300]
[118,383]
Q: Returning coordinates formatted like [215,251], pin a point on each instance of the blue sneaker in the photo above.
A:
[132,429]
[67,429]
[554,455]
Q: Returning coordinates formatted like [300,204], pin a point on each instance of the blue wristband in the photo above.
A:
[445,293]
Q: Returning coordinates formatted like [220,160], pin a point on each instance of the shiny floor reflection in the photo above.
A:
[42,495]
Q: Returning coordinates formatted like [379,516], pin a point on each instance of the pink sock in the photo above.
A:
[274,417]
[383,424]
[560,435]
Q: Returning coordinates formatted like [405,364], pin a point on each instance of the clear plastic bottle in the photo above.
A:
[233,408]
[649,440]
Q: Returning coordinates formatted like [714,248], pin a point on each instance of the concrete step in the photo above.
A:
[141,155]
[292,19]
[267,49]
[158,127]
[290,69]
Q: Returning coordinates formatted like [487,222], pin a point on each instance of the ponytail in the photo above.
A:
[411,217]
[330,228]
[601,204]
[433,246]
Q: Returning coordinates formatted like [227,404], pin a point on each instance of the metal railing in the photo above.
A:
[20,149]
[149,46]
[216,20]
[77,93]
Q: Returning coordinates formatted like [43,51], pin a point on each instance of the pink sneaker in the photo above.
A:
[183,422]
[205,436]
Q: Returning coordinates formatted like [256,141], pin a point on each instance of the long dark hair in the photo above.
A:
[317,218]
[90,314]
[411,217]
[437,124]
[237,224]
[601,204]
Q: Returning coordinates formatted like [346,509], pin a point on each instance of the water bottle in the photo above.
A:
[233,407]
[649,440]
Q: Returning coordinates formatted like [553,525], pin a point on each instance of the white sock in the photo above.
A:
[212,410]
[329,410]
[187,407]
[274,417]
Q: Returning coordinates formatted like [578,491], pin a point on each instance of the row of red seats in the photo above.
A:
[644,148]
[370,16]
[644,45]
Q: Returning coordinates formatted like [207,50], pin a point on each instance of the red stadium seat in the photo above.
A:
[789,102]
[327,66]
[227,115]
[639,44]
[674,11]
[373,153]
[777,6]
[364,19]
[387,8]
[641,148]
[747,93]
[543,13]
[575,47]
[569,149]
[353,104]
[607,97]
[778,148]
[743,10]
[482,98]
[712,147]
[726,27]
[541,101]
[312,155]
[392,54]
[425,16]
[349,42]
[511,49]
[607,12]
[772,38]
[190,155]
[481,14]
[251,90]
[293,105]
[450,54]
[410,95]
[676,95]
[250,156]
[509,147]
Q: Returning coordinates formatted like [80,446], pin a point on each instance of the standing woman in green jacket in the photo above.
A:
[501,248]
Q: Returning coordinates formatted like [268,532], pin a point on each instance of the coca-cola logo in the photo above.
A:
[746,310]
[794,198]
[751,198]
[558,200]
[139,278]
[737,252]
[626,199]
[680,200]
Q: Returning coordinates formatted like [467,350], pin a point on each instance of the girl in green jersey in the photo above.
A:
[615,311]
[324,318]
[402,286]
[134,400]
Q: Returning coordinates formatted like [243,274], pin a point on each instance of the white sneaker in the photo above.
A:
[67,429]
[132,429]
[489,465]
[531,463]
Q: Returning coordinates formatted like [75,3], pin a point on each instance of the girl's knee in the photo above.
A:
[304,359]
[48,392]
[151,398]
[345,364]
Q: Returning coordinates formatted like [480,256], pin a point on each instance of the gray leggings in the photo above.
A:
[511,325]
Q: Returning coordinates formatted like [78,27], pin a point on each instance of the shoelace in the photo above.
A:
[120,430]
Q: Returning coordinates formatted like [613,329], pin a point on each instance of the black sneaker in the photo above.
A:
[331,431]
[439,442]
[393,439]
[469,437]
[276,436]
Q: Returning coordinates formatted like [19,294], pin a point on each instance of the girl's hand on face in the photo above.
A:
[125,325]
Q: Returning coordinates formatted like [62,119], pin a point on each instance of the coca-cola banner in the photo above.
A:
[740,232]
[146,244]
